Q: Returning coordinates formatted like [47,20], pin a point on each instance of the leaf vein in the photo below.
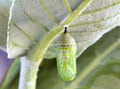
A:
[95,11]
[94,22]
[67,6]
[34,21]
[25,33]
[48,12]
[16,44]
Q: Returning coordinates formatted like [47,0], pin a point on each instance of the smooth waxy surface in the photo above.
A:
[66,57]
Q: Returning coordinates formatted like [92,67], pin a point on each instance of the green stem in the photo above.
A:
[29,66]
[28,74]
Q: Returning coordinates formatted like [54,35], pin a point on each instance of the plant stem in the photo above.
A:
[28,74]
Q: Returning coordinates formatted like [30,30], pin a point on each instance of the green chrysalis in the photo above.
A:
[66,56]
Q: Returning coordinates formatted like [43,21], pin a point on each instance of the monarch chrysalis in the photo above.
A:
[66,56]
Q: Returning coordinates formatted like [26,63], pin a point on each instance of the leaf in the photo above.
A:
[98,67]
[31,20]
[4,9]
[4,65]
[12,72]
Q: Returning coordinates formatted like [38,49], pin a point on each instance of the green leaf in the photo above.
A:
[31,20]
[12,72]
[4,14]
[98,67]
